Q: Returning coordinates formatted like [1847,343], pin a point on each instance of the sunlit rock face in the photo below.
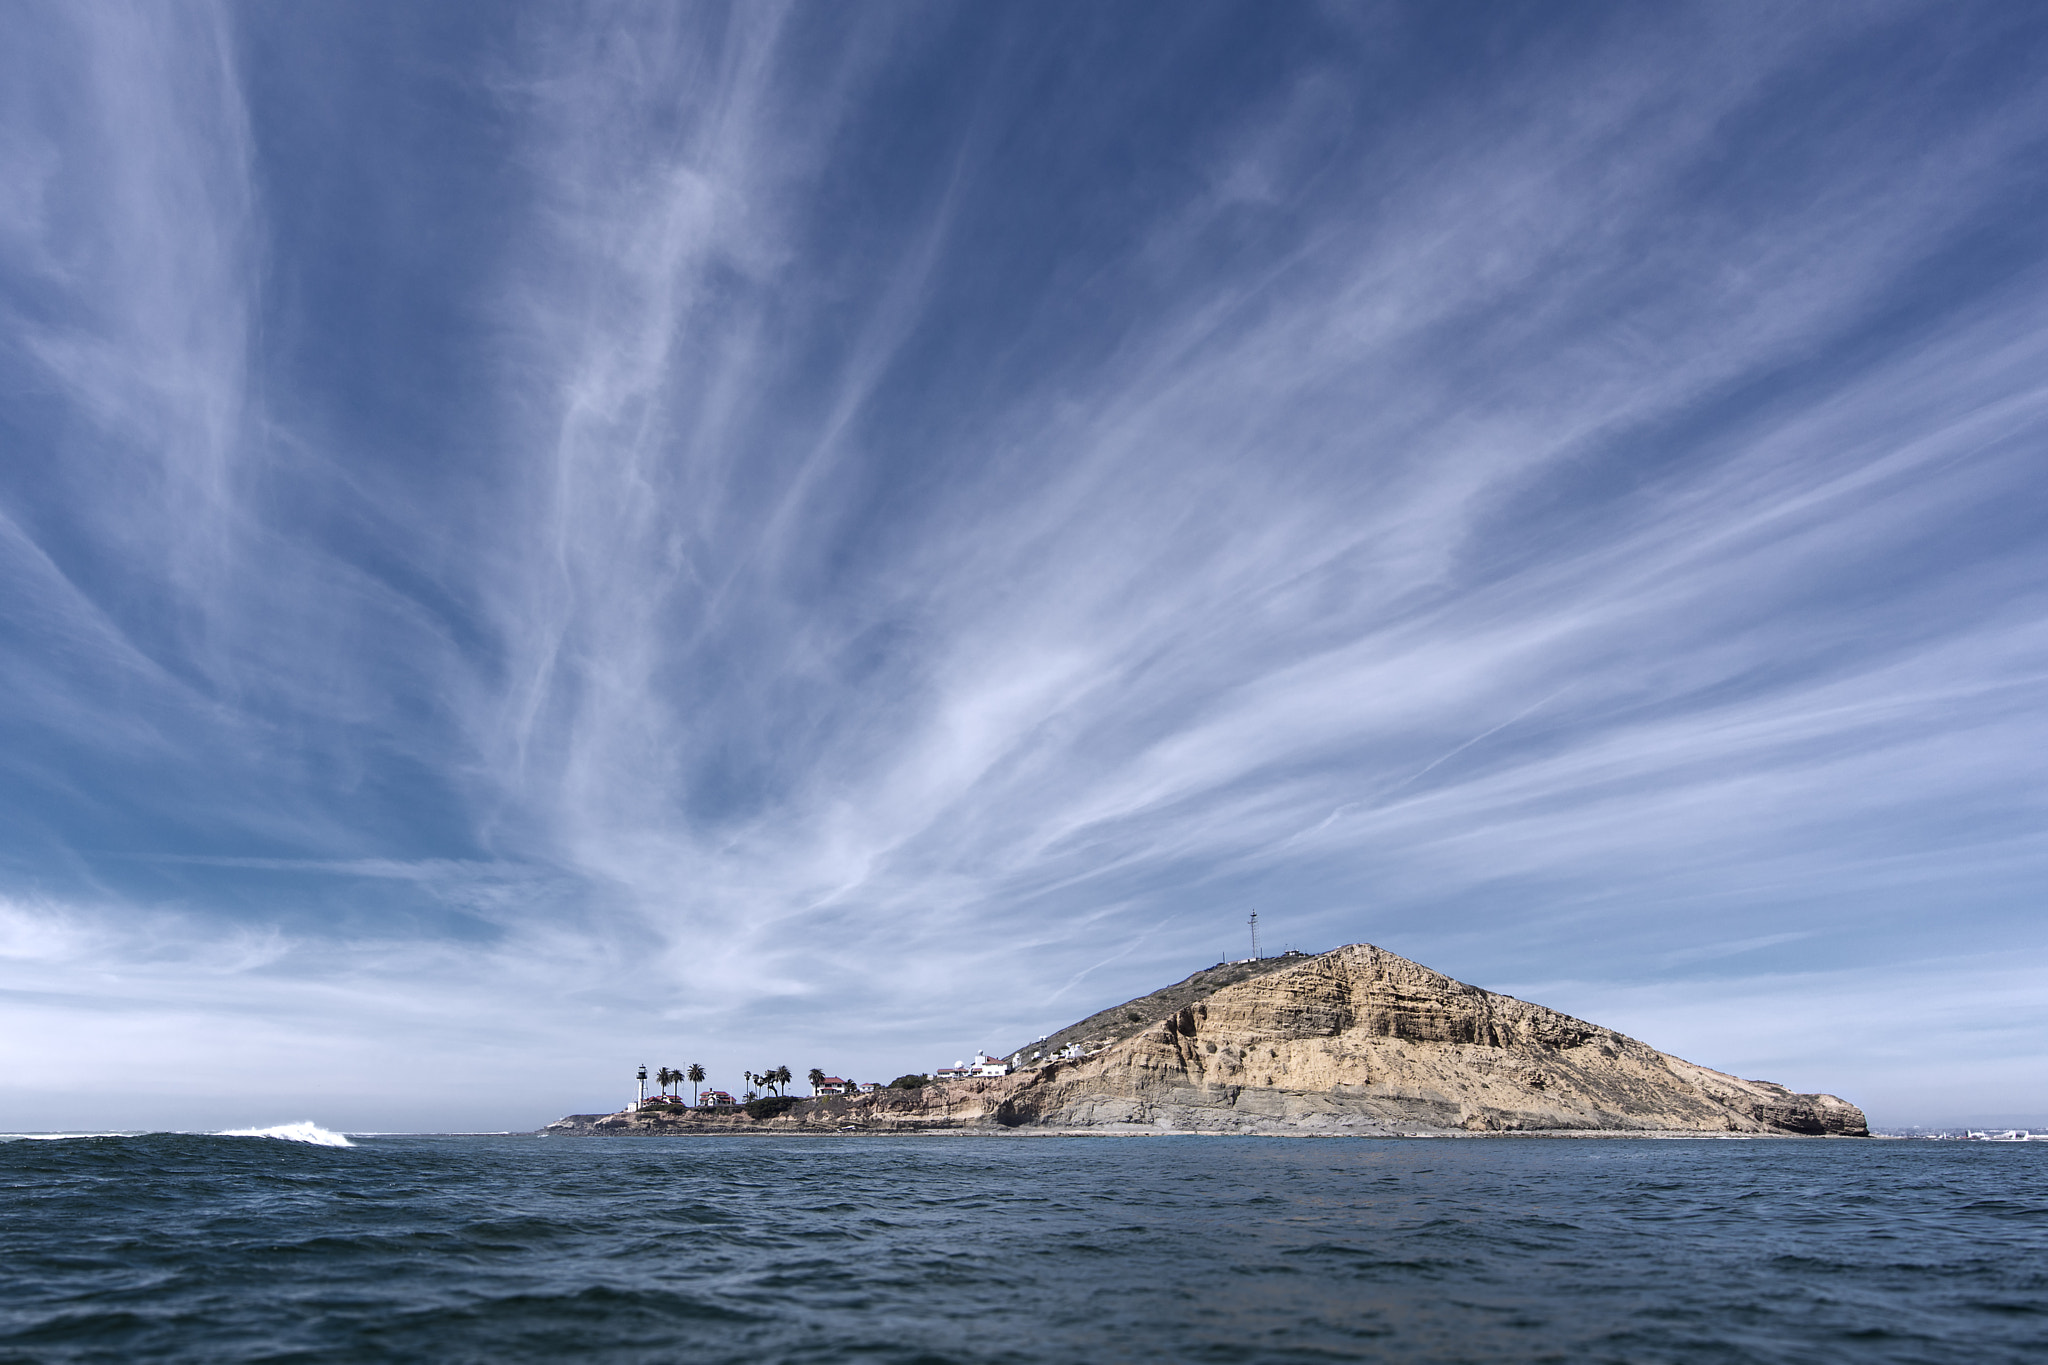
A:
[1359,1039]
[1356,1040]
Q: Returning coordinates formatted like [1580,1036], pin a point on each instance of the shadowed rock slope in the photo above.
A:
[1356,1040]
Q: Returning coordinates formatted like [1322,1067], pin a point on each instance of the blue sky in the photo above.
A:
[537,539]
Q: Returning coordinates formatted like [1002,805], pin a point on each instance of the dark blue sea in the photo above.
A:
[956,1248]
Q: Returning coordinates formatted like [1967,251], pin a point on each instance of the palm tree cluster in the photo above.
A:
[668,1076]
[775,1078]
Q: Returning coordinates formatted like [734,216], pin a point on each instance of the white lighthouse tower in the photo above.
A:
[640,1101]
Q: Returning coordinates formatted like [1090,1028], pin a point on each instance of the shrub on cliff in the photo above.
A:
[907,1083]
[771,1106]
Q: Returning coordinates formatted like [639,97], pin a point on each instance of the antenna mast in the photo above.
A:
[1255,935]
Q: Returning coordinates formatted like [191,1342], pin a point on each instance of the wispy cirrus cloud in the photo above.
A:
[913,510]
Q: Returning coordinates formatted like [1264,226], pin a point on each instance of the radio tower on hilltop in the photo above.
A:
[1254,922]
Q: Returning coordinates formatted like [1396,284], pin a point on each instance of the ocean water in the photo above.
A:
[958,1248]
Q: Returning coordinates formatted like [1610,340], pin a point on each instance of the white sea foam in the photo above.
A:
[304,1131]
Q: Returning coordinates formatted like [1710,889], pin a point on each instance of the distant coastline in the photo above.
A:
[1356,1041]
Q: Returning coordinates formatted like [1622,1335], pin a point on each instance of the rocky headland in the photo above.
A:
[1352,1041]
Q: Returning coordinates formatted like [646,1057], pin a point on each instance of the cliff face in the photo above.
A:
[1356,1040]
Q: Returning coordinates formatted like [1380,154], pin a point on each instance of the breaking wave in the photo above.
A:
[304,1131]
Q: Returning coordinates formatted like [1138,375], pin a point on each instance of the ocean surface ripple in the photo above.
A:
[953,1248]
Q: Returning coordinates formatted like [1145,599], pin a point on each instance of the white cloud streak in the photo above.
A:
[1461,543]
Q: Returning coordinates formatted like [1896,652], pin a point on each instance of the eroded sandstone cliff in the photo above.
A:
[1355,1040]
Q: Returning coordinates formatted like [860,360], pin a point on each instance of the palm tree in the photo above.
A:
[816,1078]
[782,1080]
[663,1078]
[695,1076]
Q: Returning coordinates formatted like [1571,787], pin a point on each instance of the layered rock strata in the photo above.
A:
[1356,1040]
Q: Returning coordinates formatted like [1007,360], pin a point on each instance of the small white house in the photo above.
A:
[985,1065]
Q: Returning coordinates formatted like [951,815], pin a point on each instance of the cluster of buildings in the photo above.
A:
[985,1065]
[720,1099]
[982,1065]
